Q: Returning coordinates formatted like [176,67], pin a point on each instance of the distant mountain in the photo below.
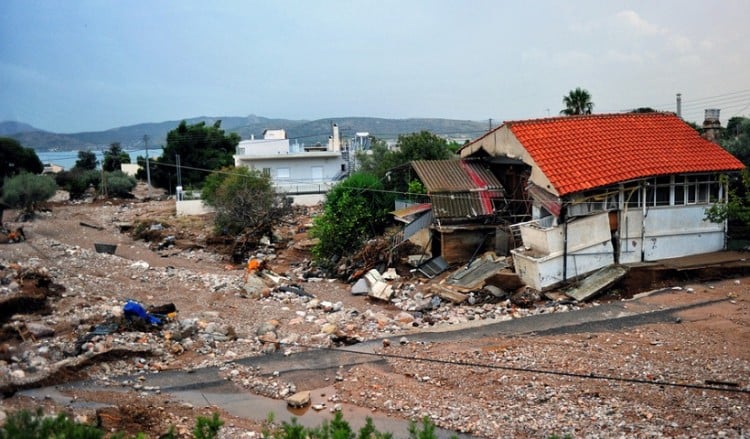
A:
[10,127]
[302,131]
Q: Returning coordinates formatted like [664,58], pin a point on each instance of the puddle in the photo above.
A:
[248,405]
[55,395]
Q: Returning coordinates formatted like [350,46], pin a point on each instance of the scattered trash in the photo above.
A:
[136,310]
[91,226]
[8,236]
[378,287]
[105,248]
[296,290]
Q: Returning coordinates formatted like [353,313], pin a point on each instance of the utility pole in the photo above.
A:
[148,168]
[490,125]
[179,177]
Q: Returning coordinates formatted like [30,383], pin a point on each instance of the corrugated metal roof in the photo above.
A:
[467,205]
[459,188]
[455,175]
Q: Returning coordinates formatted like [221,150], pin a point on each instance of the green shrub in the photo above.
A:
[355,210]
[25,191]
[206,428]
[77,181]
[245,201]
[119,184]
[25,425]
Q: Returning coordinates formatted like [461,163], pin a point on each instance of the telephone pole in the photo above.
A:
[148,169]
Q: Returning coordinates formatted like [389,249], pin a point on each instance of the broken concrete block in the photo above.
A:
[299,399]
[390,274]
[360,288]
[449,295]
[379,288]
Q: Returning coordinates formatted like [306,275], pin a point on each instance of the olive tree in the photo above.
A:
[25,191]
[245,201]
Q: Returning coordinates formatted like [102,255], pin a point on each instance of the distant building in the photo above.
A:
[294,168]
[51,168]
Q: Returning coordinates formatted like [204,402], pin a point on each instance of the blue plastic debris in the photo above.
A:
[135,309]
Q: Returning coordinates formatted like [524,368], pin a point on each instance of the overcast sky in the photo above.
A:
[79,65]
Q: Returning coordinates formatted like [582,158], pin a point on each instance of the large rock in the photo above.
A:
[299,399]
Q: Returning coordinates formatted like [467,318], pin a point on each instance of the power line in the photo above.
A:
[589,376]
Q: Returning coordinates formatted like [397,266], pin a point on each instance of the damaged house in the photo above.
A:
[605,189]
[459,219]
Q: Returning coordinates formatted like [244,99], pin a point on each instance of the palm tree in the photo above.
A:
[578,101]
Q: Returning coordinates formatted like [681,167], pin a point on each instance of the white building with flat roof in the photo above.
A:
[293,168]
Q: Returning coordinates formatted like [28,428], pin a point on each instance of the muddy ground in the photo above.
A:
[685,376]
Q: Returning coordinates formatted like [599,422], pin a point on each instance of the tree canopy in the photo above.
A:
[114,157]
[416,146]
[17,159]
[26,190]
[736,138]
[200,147]
[355,210]
[578,101]
[245,201]
[86,161]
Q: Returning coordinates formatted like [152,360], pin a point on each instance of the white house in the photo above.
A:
[607,189]
[293,168]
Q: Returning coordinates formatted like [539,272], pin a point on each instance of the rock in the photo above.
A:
[299,399]
[391,274]
[267,327]
[40,330]
[496,291]
[328,328]
[140,265]
[360,288]
[254,286]
[404,318]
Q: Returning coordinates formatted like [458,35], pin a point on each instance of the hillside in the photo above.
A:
[308,132]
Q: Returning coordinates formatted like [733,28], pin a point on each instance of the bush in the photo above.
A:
[119,184]
[25,191]
[77,181]
[355,210]
[338,428]
[24,424]
[245,201]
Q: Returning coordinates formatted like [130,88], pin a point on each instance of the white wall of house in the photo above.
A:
[644,233]
[263,147]
[297,172]
[540,262]
[671,232]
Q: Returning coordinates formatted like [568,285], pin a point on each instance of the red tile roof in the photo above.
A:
[577,153]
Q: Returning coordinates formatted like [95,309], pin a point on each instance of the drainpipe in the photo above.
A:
[563,215]
[725,196]
[644,203]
